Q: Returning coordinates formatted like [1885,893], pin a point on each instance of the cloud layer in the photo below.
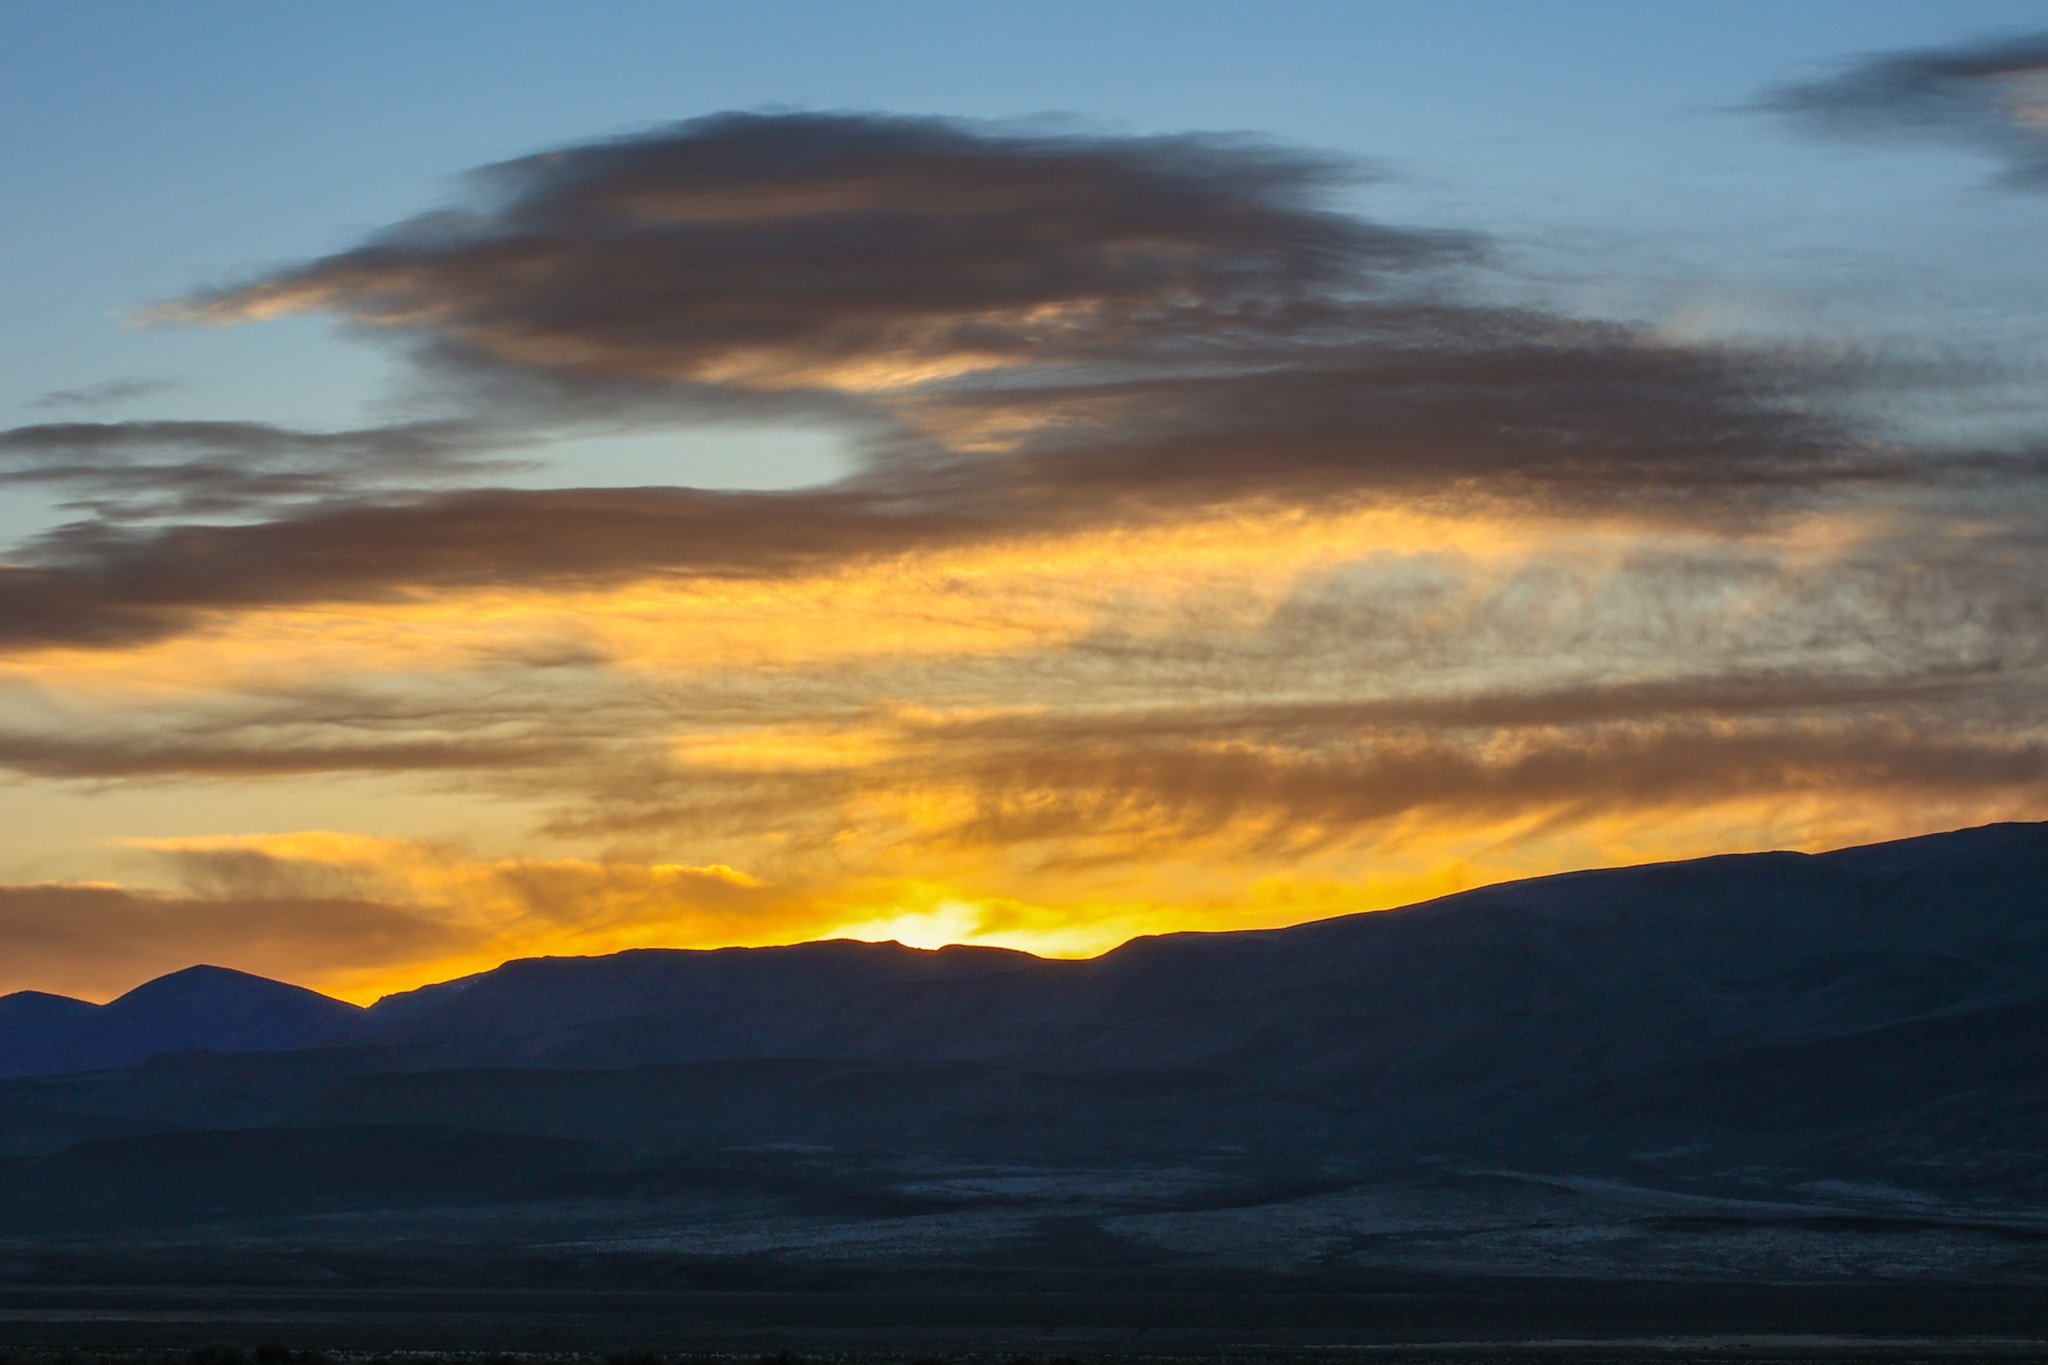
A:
[1213,555]
[1026,334]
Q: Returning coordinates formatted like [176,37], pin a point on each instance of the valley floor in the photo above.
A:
[819,1220]
[1441,1322]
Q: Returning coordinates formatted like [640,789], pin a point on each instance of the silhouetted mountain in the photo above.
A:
[833,999]
[204,1009]
[35,1029]
[1512,985]
[1764,1054]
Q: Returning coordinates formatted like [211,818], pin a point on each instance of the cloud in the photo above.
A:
[859,253]
[94,584]
[159,469]
[1026,334]
[787,701]
[247,754]
[106,393]
[1474,407]
[1988,97]
[1090,305]
[483,911]
[1171,792]
[1116,801]
[102,584]
[97,941]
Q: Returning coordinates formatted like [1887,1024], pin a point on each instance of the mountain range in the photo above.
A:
[1775,1065]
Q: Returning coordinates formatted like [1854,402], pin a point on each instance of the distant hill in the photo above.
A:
[211,1009]
[1746,1064]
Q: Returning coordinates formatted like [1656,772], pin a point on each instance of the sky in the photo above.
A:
[482,480]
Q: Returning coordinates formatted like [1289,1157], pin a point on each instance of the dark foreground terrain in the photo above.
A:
[1474,1321]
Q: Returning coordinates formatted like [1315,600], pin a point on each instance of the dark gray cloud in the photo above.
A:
[1025,332]
[162,469]
[92,583]
[107,393]
[780,251]
[1989,97]
[1483,407]
[1160,319]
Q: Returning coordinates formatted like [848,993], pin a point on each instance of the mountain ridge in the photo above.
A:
[212,1008]
[1766,1065]
[202,1008]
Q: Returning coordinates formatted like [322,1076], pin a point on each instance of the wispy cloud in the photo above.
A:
[182,469]
[1989,97]
[105,394]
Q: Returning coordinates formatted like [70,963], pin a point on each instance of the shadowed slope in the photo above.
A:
[210,1009]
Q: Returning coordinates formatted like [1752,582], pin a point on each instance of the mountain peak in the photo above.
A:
[42,1006]
[206,981]
[50,997]
[204,1008]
